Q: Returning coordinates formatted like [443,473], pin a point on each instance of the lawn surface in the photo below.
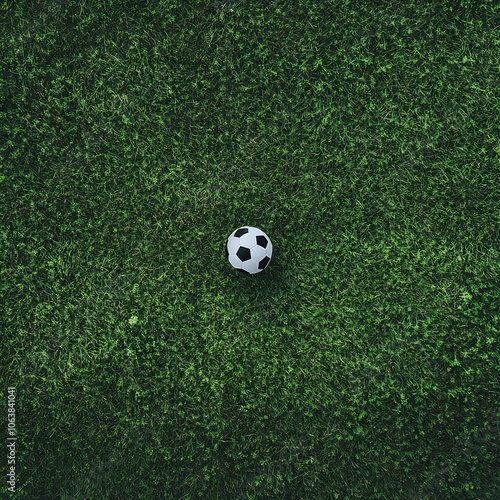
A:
[363,138]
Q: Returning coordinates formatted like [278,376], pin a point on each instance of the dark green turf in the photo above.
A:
[362,138]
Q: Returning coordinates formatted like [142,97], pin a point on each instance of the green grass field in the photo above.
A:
[363,138]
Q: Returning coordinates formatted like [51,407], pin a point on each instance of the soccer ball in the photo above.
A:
[249,250]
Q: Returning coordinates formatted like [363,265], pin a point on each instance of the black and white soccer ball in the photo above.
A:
[249,249]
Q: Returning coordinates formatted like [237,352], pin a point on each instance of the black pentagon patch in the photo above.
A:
[262,241]
[264,262]
[244,254]
[243,271]
[241,232]
[227,253]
